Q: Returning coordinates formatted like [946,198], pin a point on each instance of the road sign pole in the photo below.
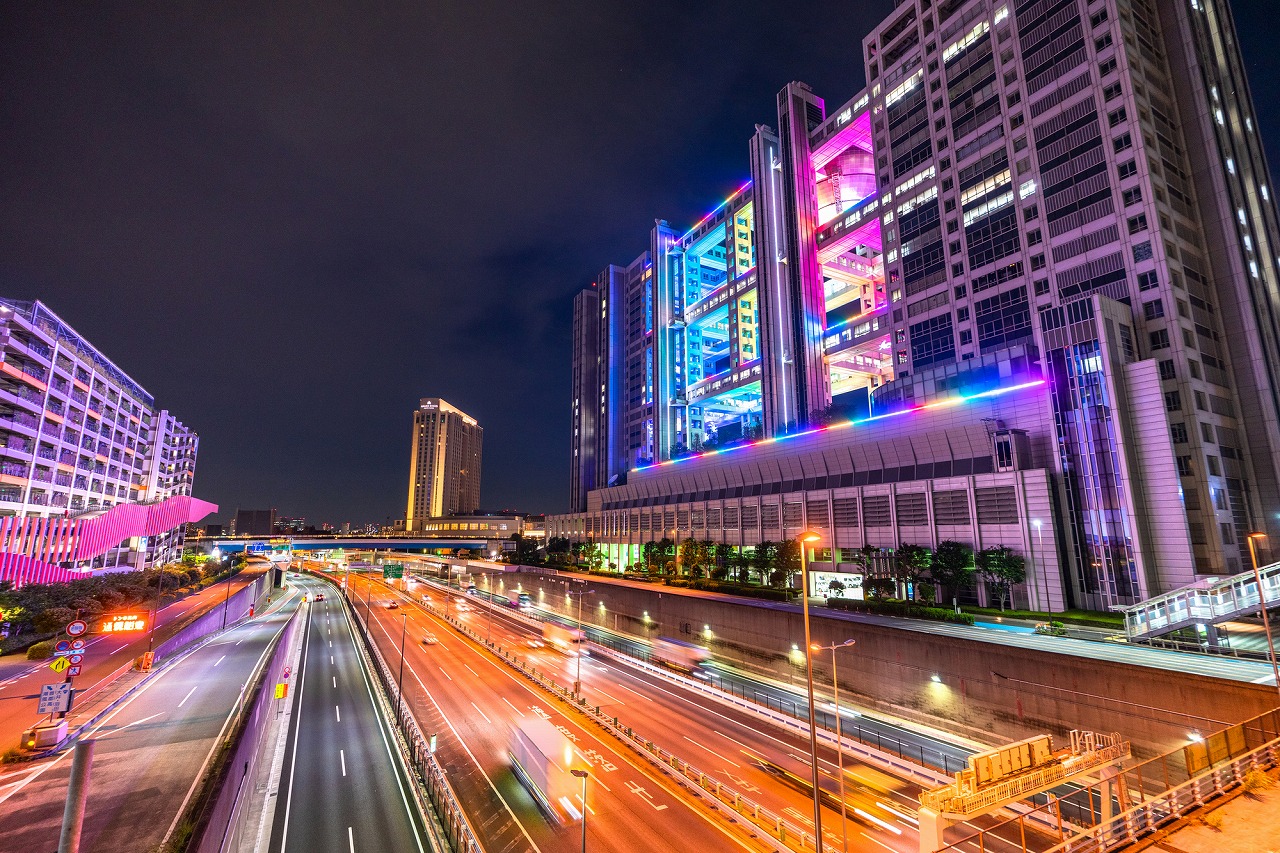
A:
[77,796]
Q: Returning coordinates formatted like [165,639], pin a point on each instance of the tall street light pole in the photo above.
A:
[577,679]
[582,774]
[835,691]
[804,539]
[1262,605]
[404,626]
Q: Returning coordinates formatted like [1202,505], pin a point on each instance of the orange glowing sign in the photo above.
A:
[119,623]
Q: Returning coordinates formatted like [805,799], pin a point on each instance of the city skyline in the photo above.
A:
[324,306]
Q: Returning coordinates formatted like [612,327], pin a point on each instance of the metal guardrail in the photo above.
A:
[1141,799]
[856,740]
[723,798]
[428,777]
[1206,602]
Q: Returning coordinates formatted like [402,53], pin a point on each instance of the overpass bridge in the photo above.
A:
[1208,602]
[263,544]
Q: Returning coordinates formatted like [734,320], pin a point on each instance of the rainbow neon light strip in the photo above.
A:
[739,191]
[938,404]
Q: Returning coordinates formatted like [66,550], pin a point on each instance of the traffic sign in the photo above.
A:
[61,646]
[59,664]
[288,670]
[77,645]
[76,628]
[54,698]
[282,690]
[73,671]
[75,659]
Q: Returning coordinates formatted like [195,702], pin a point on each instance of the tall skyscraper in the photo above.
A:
[586,370]
[444,463]
[1016,212]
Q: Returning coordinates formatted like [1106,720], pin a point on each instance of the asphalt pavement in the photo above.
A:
[149,752]
[341,789]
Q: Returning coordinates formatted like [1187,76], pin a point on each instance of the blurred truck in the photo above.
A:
[543,759]
[567,640]
[680,655]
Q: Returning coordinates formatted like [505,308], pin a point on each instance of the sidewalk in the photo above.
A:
[1250,823]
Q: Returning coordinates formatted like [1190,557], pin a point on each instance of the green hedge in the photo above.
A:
[900,608]
[730,588]
[40,650]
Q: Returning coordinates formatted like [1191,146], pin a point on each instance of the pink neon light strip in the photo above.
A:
[939,404]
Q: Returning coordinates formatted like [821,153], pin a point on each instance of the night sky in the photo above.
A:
[289,224]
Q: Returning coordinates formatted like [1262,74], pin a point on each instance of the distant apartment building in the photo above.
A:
[78,437]
[444,463]
[254,522]
[1016,291]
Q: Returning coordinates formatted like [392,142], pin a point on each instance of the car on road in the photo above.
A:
[430,639]
[534,643]
[473,590]
[393,605]
[461,605]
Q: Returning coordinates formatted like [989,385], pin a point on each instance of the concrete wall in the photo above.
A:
[986,691]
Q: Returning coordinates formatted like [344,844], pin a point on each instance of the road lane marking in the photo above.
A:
[134,723]
[472,671]
[513,707]
[330,658]
[446,675]
[351,841]
[188,696]
[482,713]
[343,758]
[638,693]
[335,681]
[338,711]
[614,698]
[220,660]
[710,750]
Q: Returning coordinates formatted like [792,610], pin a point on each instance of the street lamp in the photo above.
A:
[804,539]
[1039,526]
[582,774]
[404,627]
[835,691]
[1262,605]
[577,678]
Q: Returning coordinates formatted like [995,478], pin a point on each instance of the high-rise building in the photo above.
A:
[78,437]
[1016,234]
[586,393]
[254,522]
[444,463]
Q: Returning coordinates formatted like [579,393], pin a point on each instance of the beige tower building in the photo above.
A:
[444,466]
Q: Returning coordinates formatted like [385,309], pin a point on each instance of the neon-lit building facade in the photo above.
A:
[1013,221]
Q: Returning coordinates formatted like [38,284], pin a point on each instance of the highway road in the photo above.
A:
[471,701]
[105,655]
[767,764]
[149,752]
[341,788]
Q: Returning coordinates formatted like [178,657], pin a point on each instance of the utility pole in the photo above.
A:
[77,796]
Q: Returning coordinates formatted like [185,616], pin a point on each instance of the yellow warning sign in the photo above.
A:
[282,690]
[59,664]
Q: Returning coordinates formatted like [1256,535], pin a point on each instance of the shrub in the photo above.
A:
[54,619]
[900,608]
[40,651]
[1255,780]
[1213,820]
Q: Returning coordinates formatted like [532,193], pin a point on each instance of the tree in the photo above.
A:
[879,588]
[1001,568]
[835,588]
[787,559]
[911,564]
[762,559]
[526,549]
[952,565]
[651,555]
[594,555]
[738,563]
[558,545]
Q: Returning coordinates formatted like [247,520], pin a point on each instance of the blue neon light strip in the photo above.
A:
[939,404]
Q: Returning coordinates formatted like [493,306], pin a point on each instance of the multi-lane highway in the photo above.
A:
[342,788]
[149,752]
[464,690]
[104,656]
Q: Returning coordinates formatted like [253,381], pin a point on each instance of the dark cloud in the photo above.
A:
[290,221]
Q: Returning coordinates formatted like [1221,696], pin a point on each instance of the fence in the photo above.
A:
[223,823]
[233,610]
[1136,802]
[428,775]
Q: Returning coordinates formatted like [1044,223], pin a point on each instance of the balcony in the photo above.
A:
[66,457]
[43,475]
[21,419]
[13,469]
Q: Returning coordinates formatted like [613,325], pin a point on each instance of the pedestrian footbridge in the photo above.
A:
[1208,602]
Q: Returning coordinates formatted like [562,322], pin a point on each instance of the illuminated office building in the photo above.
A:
[444,463]
[1013,292]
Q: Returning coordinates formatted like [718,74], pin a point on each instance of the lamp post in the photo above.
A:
[804,539]
[835,692]
[582,774]
[577,678]
[1039,526]
[404,626]
[1262,605]
[155,616]
[226,599]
